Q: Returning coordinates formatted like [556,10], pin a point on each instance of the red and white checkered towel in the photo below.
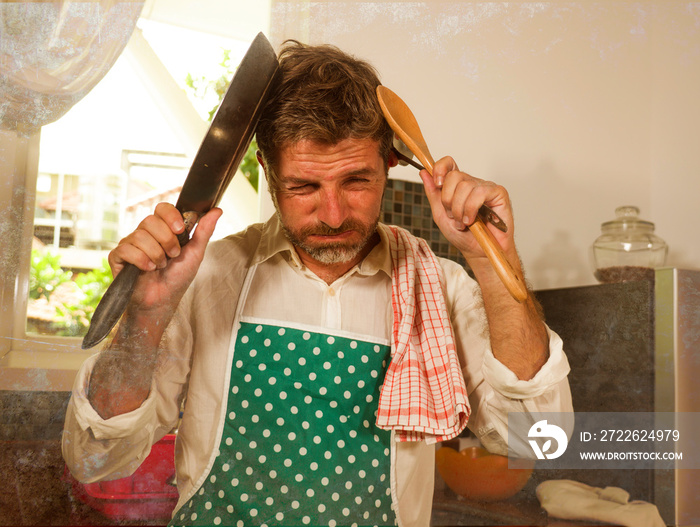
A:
[424,395]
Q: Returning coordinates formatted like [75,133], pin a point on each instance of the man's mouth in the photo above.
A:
[332,237]
[325,234]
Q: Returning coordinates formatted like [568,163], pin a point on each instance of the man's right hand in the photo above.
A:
[153,247]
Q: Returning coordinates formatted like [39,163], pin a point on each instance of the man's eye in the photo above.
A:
[357,181]
[301,188]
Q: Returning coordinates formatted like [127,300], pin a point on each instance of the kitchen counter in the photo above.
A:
[32,488]
[523,509]
[33,492]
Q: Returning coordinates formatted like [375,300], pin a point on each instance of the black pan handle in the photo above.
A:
[112,306]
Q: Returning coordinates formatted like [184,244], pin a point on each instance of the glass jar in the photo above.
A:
[628,249]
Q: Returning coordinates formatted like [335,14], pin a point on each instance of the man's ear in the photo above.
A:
[393,159]
[259,157]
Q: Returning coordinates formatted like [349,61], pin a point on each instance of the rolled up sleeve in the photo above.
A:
[98,449]
[505,382]
[116,427]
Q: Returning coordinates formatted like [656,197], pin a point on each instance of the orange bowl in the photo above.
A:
[478,475]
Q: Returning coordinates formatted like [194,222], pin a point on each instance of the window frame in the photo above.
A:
[28,362]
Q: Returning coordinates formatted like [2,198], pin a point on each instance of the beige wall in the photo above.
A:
[576,107]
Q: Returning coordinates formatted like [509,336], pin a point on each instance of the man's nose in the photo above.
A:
[332,208]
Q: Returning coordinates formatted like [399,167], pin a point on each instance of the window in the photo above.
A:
[85,181]
[95,184]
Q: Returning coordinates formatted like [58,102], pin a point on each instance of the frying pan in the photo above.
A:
[213,167]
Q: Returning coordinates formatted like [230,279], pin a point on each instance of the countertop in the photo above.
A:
[33,491]
[523,509]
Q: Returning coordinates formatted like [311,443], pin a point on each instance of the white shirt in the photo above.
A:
[202,333]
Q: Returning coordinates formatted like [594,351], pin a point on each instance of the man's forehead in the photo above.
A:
[348,145]
[311,158]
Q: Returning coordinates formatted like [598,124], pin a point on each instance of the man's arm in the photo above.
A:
[122,376]
[518,335]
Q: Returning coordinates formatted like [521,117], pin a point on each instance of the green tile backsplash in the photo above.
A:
[406,205]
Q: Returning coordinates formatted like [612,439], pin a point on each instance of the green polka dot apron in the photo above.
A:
[299,444]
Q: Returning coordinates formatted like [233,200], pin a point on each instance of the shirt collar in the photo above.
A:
[274,241]
[379,258]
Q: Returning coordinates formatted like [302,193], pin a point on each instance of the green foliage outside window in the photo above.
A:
[62,302]
[45,274]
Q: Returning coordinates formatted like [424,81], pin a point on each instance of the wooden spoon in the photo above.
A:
[405,126]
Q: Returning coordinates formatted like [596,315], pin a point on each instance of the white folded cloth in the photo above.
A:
[571,500]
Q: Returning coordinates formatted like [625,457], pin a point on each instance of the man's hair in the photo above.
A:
[324,95]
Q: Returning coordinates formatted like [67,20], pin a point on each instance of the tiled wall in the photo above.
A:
[406,205]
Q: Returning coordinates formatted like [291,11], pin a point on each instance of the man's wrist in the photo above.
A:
[486,274]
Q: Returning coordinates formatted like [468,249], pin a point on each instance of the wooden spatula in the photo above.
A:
[405,126]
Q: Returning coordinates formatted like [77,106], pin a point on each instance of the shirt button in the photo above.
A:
[331,291]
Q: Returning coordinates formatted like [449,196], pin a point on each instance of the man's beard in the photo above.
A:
[334,252]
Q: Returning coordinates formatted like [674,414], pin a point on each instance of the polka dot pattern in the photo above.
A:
[299,444]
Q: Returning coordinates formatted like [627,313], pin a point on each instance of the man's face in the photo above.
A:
[330,197]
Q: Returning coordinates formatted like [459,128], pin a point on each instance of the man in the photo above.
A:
[318,355]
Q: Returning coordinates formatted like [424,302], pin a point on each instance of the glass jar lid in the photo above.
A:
[627,219]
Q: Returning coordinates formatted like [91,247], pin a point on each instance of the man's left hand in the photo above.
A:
[455,199]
